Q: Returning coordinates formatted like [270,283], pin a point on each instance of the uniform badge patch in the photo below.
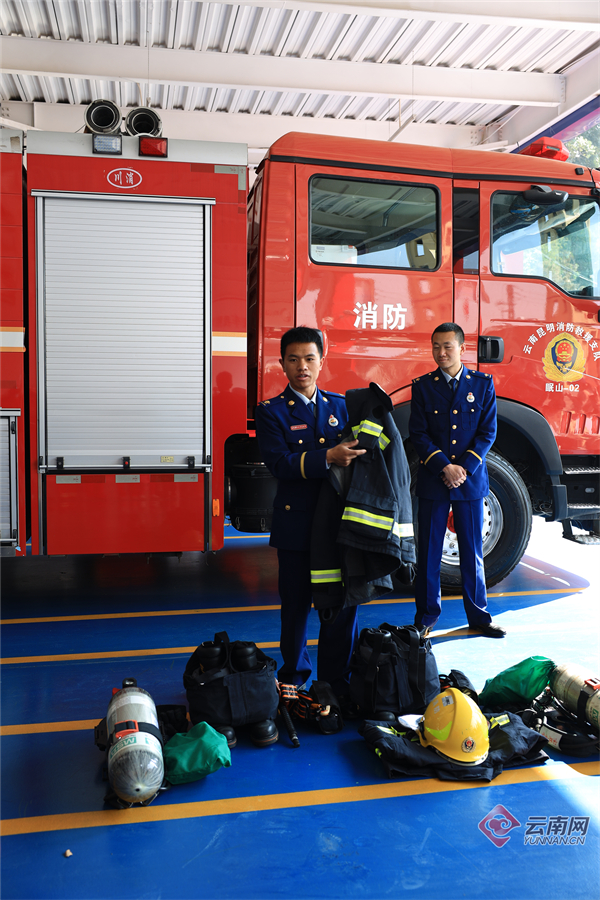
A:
[333,421]
[297,427]
[470,398]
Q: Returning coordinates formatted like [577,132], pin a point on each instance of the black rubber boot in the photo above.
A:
[264,733]
[229,733]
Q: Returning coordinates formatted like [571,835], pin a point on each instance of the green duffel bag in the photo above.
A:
[191,756]
[518,685]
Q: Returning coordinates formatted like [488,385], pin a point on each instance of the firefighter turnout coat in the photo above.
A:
[363,528]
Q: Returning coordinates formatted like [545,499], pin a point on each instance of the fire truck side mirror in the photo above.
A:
[542,195]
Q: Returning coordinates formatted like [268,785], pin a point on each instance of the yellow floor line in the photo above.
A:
[120,654]
[461,631]
[235,609]
[47,727]
[237,805]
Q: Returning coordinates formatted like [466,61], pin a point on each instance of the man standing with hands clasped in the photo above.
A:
[452,427]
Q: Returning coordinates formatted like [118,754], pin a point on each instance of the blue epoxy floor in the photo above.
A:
[219,838]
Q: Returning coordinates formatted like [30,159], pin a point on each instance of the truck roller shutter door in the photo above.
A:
[8,480]
[125,308]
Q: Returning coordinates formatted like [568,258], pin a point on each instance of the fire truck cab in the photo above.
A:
[376,244]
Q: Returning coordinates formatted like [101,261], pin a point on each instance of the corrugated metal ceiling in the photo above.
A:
[277,31]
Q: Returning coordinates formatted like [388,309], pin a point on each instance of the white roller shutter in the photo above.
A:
[125,310]
[8,479]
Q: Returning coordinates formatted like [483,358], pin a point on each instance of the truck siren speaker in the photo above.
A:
[143,120]
[102,117]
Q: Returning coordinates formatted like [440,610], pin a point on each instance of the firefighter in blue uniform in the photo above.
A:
[452,427]
[298,433]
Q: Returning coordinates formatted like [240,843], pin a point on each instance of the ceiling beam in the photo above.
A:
[583,84]
[259,132]
[62,59]
[576,15]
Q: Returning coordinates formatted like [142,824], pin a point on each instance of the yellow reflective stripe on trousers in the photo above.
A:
[322,576]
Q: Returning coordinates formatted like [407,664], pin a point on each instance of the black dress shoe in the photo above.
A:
[489,630]
[262,734]
[424,629]
[229,733]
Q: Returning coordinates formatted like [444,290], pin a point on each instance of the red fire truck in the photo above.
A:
[141,394]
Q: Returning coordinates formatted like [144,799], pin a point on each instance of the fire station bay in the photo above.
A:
[300,456]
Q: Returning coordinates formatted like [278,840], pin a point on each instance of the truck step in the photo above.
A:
[582,470]
[593,539]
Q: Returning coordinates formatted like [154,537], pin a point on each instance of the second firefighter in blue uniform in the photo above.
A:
[452,427]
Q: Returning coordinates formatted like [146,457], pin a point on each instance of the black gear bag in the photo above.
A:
[393,670]
[230,683]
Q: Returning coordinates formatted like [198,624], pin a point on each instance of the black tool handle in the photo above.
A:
[289,724]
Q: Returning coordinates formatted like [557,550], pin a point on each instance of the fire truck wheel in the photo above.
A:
[507,516]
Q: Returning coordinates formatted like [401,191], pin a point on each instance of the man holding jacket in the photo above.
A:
[452,427]
[298,432]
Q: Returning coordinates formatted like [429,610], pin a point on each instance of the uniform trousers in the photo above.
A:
[468,522]
[336,641]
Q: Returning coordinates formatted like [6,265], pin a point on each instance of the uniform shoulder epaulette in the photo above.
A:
[479,374]
[272,401]
[423,377]
[332,394]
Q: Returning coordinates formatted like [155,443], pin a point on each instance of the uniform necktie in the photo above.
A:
[453,384]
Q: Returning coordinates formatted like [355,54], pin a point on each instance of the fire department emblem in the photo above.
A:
[564,359]
[333,421]
[468,745]
[470,398]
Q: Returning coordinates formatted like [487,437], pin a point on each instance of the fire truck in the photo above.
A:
[158,289]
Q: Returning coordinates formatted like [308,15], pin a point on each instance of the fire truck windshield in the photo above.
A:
[561,243]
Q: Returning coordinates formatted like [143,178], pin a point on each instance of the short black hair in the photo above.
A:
[448,327]
[302,335]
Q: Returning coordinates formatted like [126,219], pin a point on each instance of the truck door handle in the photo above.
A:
[490,350]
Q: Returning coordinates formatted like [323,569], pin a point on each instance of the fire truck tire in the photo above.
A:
[507,524]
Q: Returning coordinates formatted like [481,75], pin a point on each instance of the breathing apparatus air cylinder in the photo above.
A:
[135,757]
[578,691]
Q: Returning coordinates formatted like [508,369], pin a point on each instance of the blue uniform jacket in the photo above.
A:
[294,445]
[458,429]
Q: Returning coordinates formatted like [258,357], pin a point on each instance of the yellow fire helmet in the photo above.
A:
[456,728]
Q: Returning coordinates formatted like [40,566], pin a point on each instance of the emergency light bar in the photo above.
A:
[548,148]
